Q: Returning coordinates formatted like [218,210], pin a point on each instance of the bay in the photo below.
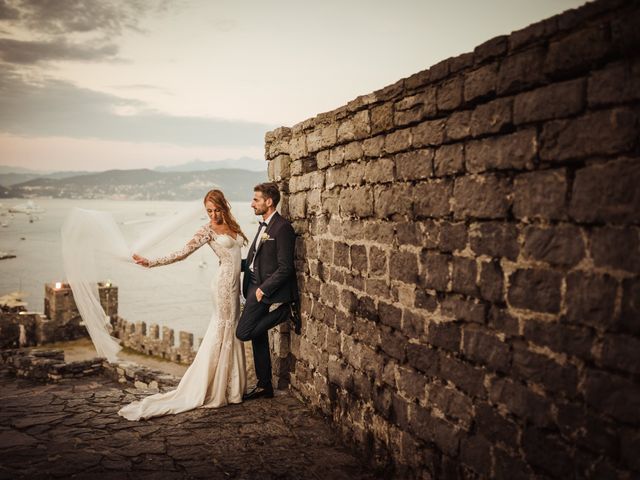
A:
[178,295]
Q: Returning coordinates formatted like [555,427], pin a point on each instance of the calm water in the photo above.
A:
[177,295]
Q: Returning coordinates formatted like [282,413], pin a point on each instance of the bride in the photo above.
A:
[217,375]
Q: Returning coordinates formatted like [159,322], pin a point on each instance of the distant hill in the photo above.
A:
[141,184]
[8,178]
[244,163]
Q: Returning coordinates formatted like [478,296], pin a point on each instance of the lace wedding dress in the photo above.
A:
[217,375]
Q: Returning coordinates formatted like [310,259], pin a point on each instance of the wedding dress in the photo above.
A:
[217,375]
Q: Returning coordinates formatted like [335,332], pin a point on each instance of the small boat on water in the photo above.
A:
[28,208]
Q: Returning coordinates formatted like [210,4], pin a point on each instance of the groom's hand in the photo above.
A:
[259,295]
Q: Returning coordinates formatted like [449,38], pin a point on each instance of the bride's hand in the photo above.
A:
[140,260]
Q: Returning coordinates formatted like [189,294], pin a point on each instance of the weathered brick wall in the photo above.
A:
[469,257]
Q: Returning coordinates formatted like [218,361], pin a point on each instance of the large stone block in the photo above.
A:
[465,376]
[557,100]
[435,270]
[607,193]
[486,348]
[482,196]
[321,137]
[381,118]
[492,117]
[561,245]
[464,273]
[535,289]
[577,51]
[480,82]
[428,133]
[536,368]
[541,195]
[491,281]
[354,128]
[403,266]
[356,201]
[397,141]
[520,401]
[613,395]
[630,308]
[621,352]
[617,83]
[414,165]
[560,337]
[603,132]
[458,126]
[521,70]
[392,200]
[423,358]
[416,107]
[515,151]
[449,160]
[591,299]
[432,198]
[444,335]
[449,94]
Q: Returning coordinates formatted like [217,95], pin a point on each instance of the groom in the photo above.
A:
[269,284]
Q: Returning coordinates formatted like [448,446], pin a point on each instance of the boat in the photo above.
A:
[28,208]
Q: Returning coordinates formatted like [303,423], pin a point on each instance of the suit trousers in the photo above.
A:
[254,325]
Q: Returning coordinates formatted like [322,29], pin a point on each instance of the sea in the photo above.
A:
[178,295]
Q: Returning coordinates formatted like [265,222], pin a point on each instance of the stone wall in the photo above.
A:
[134,335]
[468,255]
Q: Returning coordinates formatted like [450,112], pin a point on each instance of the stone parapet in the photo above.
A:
[136,336]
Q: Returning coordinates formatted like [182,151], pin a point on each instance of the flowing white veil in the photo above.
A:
[88,232]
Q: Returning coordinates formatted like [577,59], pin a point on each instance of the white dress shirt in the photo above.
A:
[261,230]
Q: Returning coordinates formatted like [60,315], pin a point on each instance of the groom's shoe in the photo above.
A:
[258,392]
[295,317]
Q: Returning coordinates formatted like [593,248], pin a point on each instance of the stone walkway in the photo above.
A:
[71,430]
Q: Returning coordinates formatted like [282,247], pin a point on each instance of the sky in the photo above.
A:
[100,84]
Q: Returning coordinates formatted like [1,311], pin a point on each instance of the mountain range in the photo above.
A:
[141,184]
[10,176]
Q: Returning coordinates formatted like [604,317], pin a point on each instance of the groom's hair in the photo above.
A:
[269,190]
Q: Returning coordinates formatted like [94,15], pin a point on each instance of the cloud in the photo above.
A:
[37,31]
[30,52]
[80,16]
[7,11]
[58,108]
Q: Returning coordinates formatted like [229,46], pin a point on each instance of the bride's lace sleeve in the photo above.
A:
[202,236]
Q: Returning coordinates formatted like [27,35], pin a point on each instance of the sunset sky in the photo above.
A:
[93,85]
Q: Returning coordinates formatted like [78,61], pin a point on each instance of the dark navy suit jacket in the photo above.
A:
[274,263]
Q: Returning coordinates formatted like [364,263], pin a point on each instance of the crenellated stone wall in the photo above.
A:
[136,337]
[468,257]
[60,322]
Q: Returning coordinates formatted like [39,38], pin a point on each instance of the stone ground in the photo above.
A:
[71,430]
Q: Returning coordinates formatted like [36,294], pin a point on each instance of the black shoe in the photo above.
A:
[258,392]
[295,317]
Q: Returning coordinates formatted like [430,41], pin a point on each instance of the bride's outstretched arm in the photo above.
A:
[201,237]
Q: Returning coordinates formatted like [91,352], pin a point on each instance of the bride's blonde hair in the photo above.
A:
[218,199]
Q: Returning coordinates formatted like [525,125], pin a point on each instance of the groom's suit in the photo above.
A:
[269,266]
